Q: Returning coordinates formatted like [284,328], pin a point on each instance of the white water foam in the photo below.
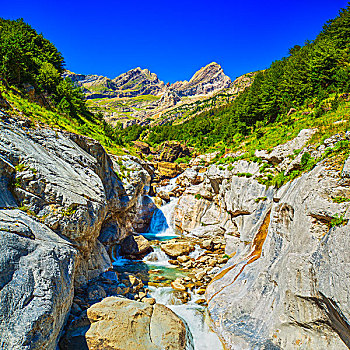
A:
[158,258]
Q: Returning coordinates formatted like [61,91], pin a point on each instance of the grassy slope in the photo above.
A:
[21,106]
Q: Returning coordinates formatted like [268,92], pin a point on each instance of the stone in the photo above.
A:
[135,245]
[37,282]
[164,195]
[96,293]
[175,249]
[150,301]
[200,275]
[177,285]
[207,244]
[171,150]
[74,209]
[122,324]
[142,146]
[168,170]
[346,169]
[292,278]
[183,258]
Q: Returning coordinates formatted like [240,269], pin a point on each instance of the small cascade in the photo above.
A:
[197,252]
[162,224]
[157,257]
[155,268]
[169,187]
[198,321]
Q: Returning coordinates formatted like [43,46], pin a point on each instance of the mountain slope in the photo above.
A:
[207,80]
[139,97]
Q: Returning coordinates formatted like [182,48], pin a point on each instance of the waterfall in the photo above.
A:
[157,257]
[162,224]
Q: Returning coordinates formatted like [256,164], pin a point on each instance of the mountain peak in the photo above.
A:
[208,79]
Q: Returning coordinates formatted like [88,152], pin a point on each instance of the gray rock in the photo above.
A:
[346,169]
[281,152]
[295,293]
[36,282]
[68,191]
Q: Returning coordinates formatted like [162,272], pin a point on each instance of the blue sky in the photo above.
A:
[173,38]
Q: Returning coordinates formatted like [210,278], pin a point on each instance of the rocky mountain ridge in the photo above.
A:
[139,81]
[138,96]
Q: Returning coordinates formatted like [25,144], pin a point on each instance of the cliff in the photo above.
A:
[285,286]
[62,207]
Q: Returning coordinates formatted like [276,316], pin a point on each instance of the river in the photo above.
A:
[158,273]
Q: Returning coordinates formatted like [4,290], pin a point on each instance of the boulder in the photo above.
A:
[123,324]
[177,285]
[135,245]
[36,284]
[168,170]
[175,249]
[142,146]
[171,150]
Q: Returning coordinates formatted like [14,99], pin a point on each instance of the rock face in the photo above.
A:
[208,79]
[122,324]
[36,285]
[285,286]
[171,150]
[138,96]
[293,295]
[139,81]
[70,198]
[135,82]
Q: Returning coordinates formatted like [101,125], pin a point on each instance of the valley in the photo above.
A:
[204,214]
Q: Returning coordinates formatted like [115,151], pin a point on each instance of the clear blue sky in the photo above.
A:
[173,38]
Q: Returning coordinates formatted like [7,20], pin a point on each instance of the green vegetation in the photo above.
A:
[31,82]
[341,199]
[20,167]
[338,220]
[313,80]
[244,175]
[198,196]
[27,210]
[184,160]
[70,210]
[259,199]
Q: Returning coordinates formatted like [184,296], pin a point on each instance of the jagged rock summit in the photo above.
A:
[207,80]
[134,82]
[140,97]
[137,81]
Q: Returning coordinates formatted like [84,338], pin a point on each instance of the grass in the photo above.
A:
[338,221]
[70,210]
[259,199]
[244,175]
[21,167]
[340,199]
[92,127]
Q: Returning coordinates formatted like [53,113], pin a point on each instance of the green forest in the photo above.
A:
[313,77]
[311,81]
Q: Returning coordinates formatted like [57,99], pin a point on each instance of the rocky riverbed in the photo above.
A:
[85,255]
